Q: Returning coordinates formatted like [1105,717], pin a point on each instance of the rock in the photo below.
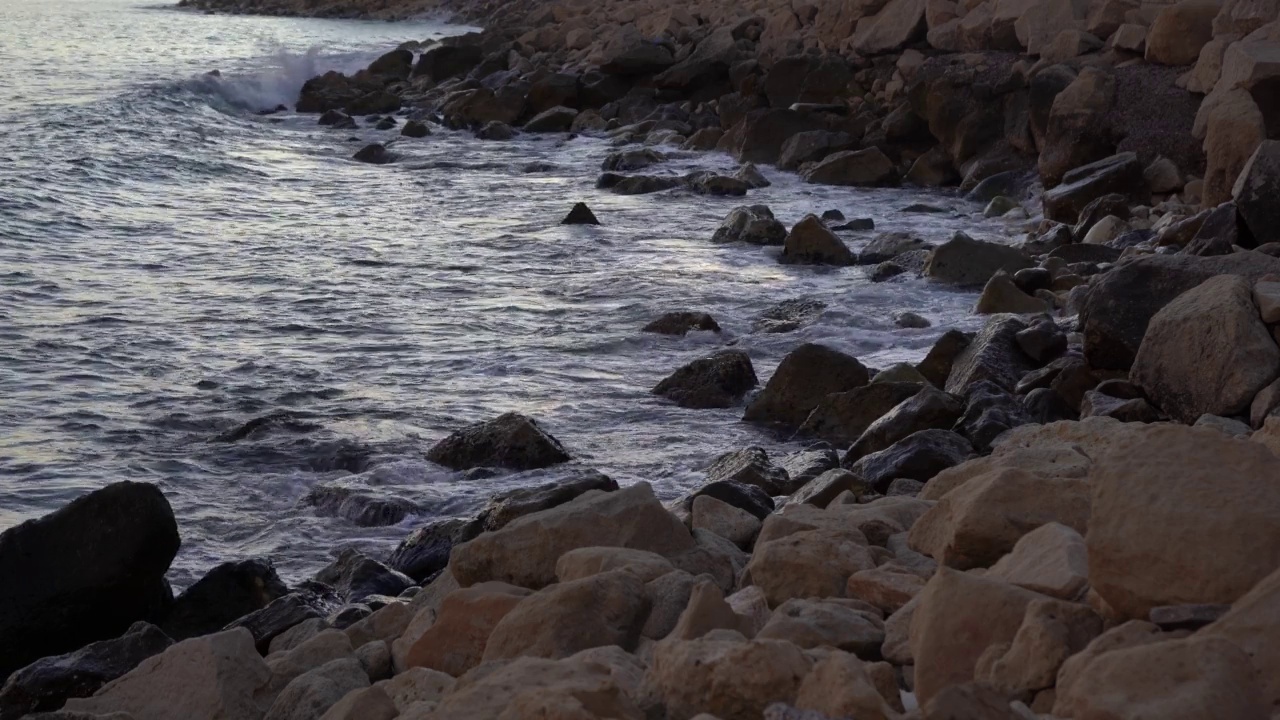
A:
[999,205]
[415,129]
[85,572]
[868,167]
[355,576]
[789,315]
[580,215]
[446,61]
[899,23]
[1264,405]
[384,625]
[1233,126]
[726,677]
[511,441]
[632,160]
[213,676]
[49,682]
[227,592]
[740,495]
[641,58]
[970,700]
[518,502]
[605,609]
[705,611]
[937,364]
[803,378]
[919,456]
[1249,624]
[1186,617]
[1227,426]
[456,641]
[356,503]
[810,563]
[815,623]
[681,322]
[1162,176]
[1121,174]
[753,224]
[717,381]
[811,243]
[374,154]
[1216,324]
[323,647]
[524,552]
[933,169]
[1051,632]
[989,412]
[495,130]
[1002,295]
[337,120]
[553,120]
[911,321]
[425,551]
[1042,342]
[416,685]
[1180,31]
[805,465]
[982,520]
[929,408]
[887,589]
[1052,559]
[385,123]
[1129,37]
[812,146]
[993,355]
[749,466]
[311,600]
[752,176]
[737,526]
[965,261]
[586,562]
[313,693]
[1255,192]
[1096,404]
[764,132]
[371,703]
[887,246]
[820,491]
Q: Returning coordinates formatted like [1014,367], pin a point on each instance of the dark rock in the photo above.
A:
[930,408]
[554,90]
[842,417]
[789,315]
[752,224]
[355,576]
[509,505]
[709,183]
[718,381]
[707,65]
[1122,389]
[358,504]
[580,215]
[1077,253]
[751,175]
[333,91]
[826,487]
[1221,227]
[1097,209]
[415,129]
[886,270]
[557,119]
[446,61]
[917,457]
[375,102]
[1171,618]
[993,355]
[749,466]
[681,322]
[963,260]
[868,167]
[348,615]
[887,246]
[636,184]
[336,119]
[631,160]
[740,495]
[397,64]
[1031,279]
[1010,184]
[511,441]
[857,224]
[310,600]
[385,123]
[989,412]
[47,683]
[764,132]
[1073,381]
[803,378]
[1256,191]
[936,365]
[1044,406]
[425,551]
[227,592]
[806,465]
[495,130]
[1096,404]
[812,146]
[911,321]
[1121,174]
[85,572]
[811,243]
[640,59]
[1043,341]
[832,216]
[374,154]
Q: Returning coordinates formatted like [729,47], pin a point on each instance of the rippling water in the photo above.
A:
[173,264]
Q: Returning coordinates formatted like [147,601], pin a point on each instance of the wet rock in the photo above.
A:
[631,160]
[856,225]
[919,456]
[822,490]
[805,465]
[753,224]
[989,412]
[553,120]
[357,504]
[992,355]
[1255,192]
[312,600]
[937,364]
[752,176]
[336,119]
[495,130]
[580,215]
[1121,174]
[636,184]
[789,315]
[709,183]
[415,129]
[356,576]
[927,409]
[681,322]
[227,592]
[447,61]
[374,154]
[717,381]
[85,572]
[843,417]
[911,321]
[868,167]
[385,123]
[812,146]
[965,261]
[511,441]
[886,270]
[1042,342]
[750,498]
[425,551]
[750,466]
[887,246]
[803,378]
[811,243]
[49,682]
[764,132]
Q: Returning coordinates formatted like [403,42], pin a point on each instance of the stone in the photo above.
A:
[1180,31]
[809,563]
[929,408]
[726,677]
[970,700]
[811,243]
[965,261]
[815,623]
[1255,191]
[1042,342]
[374,154]
[805,376]
[313,693]
[1206,480]
[823,489]
[416,685]
[425,551]
[919,456]
[415,129]
[580,215]
[1207,351]
[789,315]
[1162,176]
[865,168]
[355,576]
[1250,624]
[47,683]
[669,597]
[717,381]
[456,641]
[552,120]
[508,505]
[806,465]
[750,466]
[1233,127]
[887,246]
[1052,560]
[989,412]
[911,321]
[1227,426]
[737,526]
[939,361]
[706,611]
[384,624]
[993,355]
[884,588]
[446,61]
[511,441]
[585,562]
[370,703]
[212,676]
[812,146]
[1130,38]
[899,23]
[750,498]
[681,323]
[1051,632]
[1186,617]
[309,601]
[525,552]
[1121,174]
[227,592]
[495,130]
[1105,231]
[843,417]
[841,685]
[1096,404]
[1002,295]
[85,572]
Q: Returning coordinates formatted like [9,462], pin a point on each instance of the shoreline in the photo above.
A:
[1071,513]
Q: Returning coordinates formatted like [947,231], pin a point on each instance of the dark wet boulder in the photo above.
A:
[789,315]
[374,154]
[681,322]
[395,65]
[1258,188]
[937,363]
[1044,406]
[826,487]
[580,215]
[476,107]
[1078,253]
[425,551]
[85,572]
[709,183]
[335,91]
[993,355]
[385,123]
[753,224]
[446,61]
[637,184]
[495,130]
[510,505]
[640,58]
[1042,342]
[811,243]
[843,417]
[308,600]
[631,160]
[1121,174]
[963,260]
[225,593]
[47,683]
[804,466]
[358,504]
[919,456]
[355,576]
[763,133]
[990,411]
[751,175]
[336,119]
[510,441]
[868,167]
[553,120]
[717,381]
[812,146]
[707,66]
[928,409]
[803,378]
[749,466]
[750,498]
[415,129]
[887,246]
[374,103]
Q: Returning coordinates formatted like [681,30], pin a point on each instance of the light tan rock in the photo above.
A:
[605,609]
[314,692]
[1052,559]
[1190,679]
[841,686]
[218,677]
[970,700]
[1105,230]
[897,634]
[1208,525]
[733,524]
[817,623]
[425,606]
[810,563]
[416,685]
[1232,127]
[1129,37]
[884,588]
[898,23]
[728,678]
[1130,634]
[456,641]
[707,611]
[320,649]
[369,703]
[958,617]
[1251,62]
[1051,632]
[1208,67]
[750,603]
[1253,624]
[525,552]
[585,562]
[1180,31]
[1070,44]
[296,635]
[386,623]
[1108,16]
[1043,20]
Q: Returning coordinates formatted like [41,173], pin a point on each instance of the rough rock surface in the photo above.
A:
[510,441]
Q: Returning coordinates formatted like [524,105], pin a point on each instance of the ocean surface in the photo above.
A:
[174,265]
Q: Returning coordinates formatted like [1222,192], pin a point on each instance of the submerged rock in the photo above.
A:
[580,215]
[374,154]
[717,381]
[425,551]
[803,378]
[789,315]
[510,441]
[415,129]
[682,322]
[225,593]
[811,243]
[752,224]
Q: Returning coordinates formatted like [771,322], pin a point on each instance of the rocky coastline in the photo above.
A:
[1072,513]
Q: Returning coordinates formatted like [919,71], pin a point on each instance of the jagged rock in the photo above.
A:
[937,364]
[1120,174]
[737,526]
[1052,559]
[313,600]
[580,215]
[805,465]
[1042,342]
[425,551]
[992,355]
[717,381]
[1248,624]
[752,176]
[929,408]
[556,119]
[763,133]
[989,412]
[1180,31]
[919,456]
[812,146]
[750,466]
[752,224]
[828,486]
[868,167]
[227,592]
[356,576]
[1255,192]
[808,563]
[811,243]
[1002,295]
[815,623]
[446,61]
[789,315]
[415,129]
[888,246]
[311,694]
[726,676]
[965,261]
[495,130]
[510,441]
[750,498]
[803,378]
[456,641]
[374,154]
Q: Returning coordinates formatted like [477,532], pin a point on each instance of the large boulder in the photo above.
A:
[425,551]
[227,592]
[812,146]
[1180,31]
[512,441]
[899,23]
[456,641]
[525,552]
[716,381]
[1251,624]
[726,676]
[867,167]
[508,505]
[446,61]
[1208,351]
[762,134]
[1120,174]
[355,576]
[963,260]
[803,378]
[929,408]
[753,224]
[85,572]
[920,456]
[809,563]
[811,243]
[842,417]
[1232,126]
[1256,191]
[1154,483]
[994,355]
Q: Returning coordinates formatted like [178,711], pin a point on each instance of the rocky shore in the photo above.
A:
[1071,513]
